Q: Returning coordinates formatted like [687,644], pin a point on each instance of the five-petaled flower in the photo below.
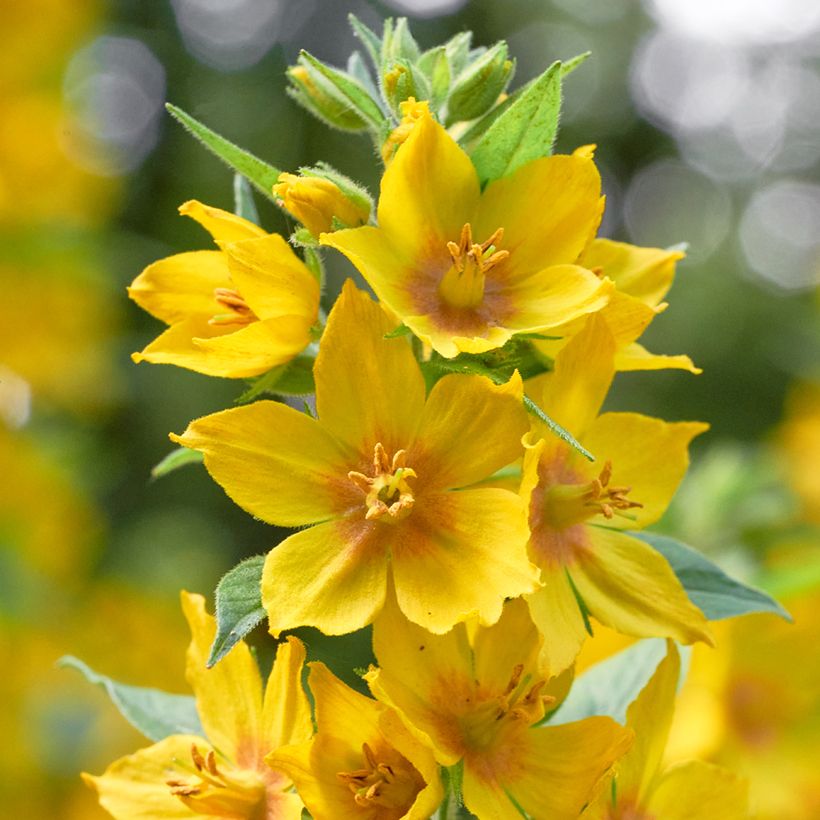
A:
[465,270]
[378,480]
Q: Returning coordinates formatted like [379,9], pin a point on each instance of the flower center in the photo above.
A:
[213,791]
[568,504]
[391,785]
[519,706]
[238,311]
[463,284]
[387,493]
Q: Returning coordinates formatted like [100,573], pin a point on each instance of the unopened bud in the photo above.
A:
[479,86]
[402,82]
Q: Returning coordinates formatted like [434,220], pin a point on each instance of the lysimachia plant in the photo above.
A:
[457,494]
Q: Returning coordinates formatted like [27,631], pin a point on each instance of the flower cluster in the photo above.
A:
[453,482]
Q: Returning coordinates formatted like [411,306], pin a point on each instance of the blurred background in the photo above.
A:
[707,120]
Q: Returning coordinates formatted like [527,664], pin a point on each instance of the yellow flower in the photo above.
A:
[235,312]
[465,270]
[375,475]
[577,510]
[412,111]
[643,790]
[642,277]
[480,702]
[316,202]
[223,774]
[363,764]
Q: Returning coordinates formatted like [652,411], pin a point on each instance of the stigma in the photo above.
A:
[388,496]
[463,283]
[392,785]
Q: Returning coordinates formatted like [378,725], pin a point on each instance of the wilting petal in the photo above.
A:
[700,791]
[229,694]
[135,787]
[368,389]
[645,273]
[459,554]
[272,279]
[637,357]
[285,710]
[182,285]
[332,576]
[470,428]
[550,772]
[574,392]
[428,192]
[278,464]
[630,587]
[648,455]
[223,226]
[548,208]
[556,612]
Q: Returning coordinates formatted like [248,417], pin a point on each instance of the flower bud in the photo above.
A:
[402,82]
[480,85]
[319,203]
[412,111]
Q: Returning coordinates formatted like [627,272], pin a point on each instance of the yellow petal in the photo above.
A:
[223,226]
[332,576]
[550,772]
[272,279]
[637,357]
[229,695]
[368,389]
[650,717]
[584,369]
[459,554]
[700,791]
[547,297]
[548,208]
[135,787]
[470,428]
[645,273]
[278,464]
[255,348]
[448,343]
[178,286]
[428,192]
[648,455]
[555,610]
[630,587]
[285,709]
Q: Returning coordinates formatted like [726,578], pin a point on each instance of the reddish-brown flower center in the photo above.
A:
[388,496]
[463,284]
[217,791]
[391,785]
[238,311]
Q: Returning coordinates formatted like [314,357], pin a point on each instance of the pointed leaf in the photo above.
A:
[524,132]
[176,459]
[259,173]
[155,713]
[368,38]
[292,379]
[238,606]
[243,204]
[709,588]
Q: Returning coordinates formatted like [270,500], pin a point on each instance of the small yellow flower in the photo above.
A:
[363,762]
[377,480]
[236,312]
[412,112]
[480,702]
[466,270]
[643,790]
[316,202]
[578,510]
[223,774]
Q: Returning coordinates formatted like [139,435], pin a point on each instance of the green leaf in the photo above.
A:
[709,588]
[608,687]
[351,90]
[368,38]
[155,713]
[556,428]
[570,65]
[176,459]
[243,204]
[261,175]
[524,132]
[238,606]
[292,379]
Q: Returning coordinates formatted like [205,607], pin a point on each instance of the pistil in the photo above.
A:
[463,284]
[388,496]
[389,785]
[239,312]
